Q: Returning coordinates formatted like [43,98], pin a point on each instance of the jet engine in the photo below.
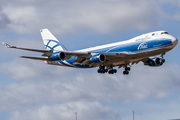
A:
[58,56]
[98,58]
[154,62]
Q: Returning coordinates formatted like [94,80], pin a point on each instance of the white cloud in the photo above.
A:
[72,16]
[60,84]
[44,84]
[22,18]
[4,21]
[86,111]
[26,69]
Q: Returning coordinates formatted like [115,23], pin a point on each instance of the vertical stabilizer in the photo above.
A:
[50,42]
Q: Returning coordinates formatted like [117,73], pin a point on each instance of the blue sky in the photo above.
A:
[33,90]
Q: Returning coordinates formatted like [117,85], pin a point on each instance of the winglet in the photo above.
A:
[7,45]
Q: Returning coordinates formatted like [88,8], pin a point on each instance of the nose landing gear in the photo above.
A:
[162,56]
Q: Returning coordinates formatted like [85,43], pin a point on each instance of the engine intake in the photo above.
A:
[156,61]
[98,58]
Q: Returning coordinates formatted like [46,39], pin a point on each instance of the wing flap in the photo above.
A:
[86,62]
[119,54]
[79,60]
[78,54]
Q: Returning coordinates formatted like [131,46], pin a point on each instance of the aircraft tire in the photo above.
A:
[127,68]
[125,72]
[163,60]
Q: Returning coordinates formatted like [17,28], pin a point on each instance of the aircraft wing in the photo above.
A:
[46,52]
[34,50]
[82,57]
[49,52]
[70,53]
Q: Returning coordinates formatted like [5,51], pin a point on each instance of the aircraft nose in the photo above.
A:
[174,41]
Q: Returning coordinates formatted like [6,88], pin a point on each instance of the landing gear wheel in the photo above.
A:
[127,68]
[102,69]
[99,71]
[112,71]
[163,60]
[125,72]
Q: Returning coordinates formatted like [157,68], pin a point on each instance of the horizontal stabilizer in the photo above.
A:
[36,58]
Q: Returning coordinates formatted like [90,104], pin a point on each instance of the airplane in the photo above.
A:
[144,48]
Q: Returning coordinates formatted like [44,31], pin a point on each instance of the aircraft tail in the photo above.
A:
[50,42]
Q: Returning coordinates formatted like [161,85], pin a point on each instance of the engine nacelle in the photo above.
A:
[58,56]
[98,58]
[153,62]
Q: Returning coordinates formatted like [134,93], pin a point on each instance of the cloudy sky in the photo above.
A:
[32,90]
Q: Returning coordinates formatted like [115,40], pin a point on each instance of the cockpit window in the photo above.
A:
[164,33]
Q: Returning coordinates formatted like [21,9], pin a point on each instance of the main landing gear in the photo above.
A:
[103,70]
[126,70]
[112,71]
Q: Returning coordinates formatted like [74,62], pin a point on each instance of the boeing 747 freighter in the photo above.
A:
[124,54]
